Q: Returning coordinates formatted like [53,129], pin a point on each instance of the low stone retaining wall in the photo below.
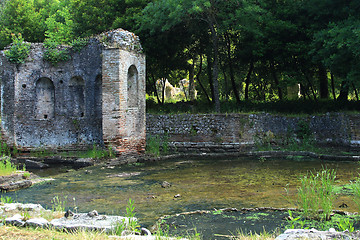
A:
[237,132]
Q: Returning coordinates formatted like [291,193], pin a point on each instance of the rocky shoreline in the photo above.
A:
[33,215]
[92,221]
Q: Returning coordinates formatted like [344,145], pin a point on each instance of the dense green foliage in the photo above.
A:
[19,50]
[55,53]
[245,106]
[234,50]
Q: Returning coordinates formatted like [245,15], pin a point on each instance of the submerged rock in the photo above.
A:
[124,174]
[302,234]
[68,214]
[93,213]
[16,181]
[83,162]
[165,184]
[12,186]
[30,164]
[84,221]
[29,207]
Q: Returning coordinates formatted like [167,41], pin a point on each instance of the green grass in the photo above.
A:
[58,204]
[156,145]
[94,152]
[339,222]
[355,187]
[6,167]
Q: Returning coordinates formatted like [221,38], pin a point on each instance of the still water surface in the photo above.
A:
[203,183]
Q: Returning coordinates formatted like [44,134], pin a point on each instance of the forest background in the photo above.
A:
[299,54]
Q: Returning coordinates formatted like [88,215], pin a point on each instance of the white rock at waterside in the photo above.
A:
[15,220]
[37,222]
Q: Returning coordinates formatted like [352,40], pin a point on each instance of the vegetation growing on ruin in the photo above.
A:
[19,50]
[78,44]
[55,53]
[156,145]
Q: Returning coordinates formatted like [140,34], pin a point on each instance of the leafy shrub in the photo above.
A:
[54,53]
[78,44]
[19,50]
[286,106]
[155,145]
[303,130]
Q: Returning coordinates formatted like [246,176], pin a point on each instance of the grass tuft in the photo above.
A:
[6,167]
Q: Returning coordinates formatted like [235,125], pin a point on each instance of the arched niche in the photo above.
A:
[45,99]
[132,86]
[77,97]
[98,96]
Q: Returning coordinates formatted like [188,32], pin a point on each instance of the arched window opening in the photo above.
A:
[98,96]
[45,99]
[77,97]
[132,84]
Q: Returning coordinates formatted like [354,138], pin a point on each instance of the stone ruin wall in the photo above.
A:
[226,133]
[97,97]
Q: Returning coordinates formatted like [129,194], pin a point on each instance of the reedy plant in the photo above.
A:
[58,205]
[6,167]
[316,193]
[131,223]
[6,199]
[355,186]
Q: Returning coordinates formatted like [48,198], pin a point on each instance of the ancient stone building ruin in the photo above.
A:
[96,97]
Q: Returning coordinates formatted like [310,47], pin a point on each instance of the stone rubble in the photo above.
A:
[70,222]
[95,221]
[305,234]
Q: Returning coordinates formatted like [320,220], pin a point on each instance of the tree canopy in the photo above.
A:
[260,50]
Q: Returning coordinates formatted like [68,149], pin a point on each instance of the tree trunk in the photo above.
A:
[324,85]
[198,80]
[191,82]
[276,80]
[303,91]
[310,85]
[247,80]
[163,83]
[344,91]
[232,76]
[156,92]
[215,70]
[209,72]
[226,90]
[333,86]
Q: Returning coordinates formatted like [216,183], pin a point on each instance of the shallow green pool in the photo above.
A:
[202,183]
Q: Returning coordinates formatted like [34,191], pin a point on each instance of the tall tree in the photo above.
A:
[21,16]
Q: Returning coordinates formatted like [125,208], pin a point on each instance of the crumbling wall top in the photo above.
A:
[120,38]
